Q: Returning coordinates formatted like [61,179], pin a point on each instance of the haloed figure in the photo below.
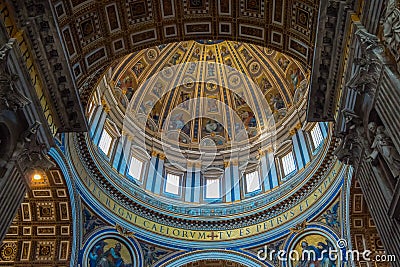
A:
[112,258]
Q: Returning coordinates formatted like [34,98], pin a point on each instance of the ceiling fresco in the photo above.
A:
[209,73]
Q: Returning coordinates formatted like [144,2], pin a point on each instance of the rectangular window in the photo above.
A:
[316,136]
[173,183]
[213,188]
[252,182]
[288,163]
[135,168]
[105,142]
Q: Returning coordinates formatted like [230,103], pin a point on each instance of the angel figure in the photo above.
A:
[90,221]
[331,216]
[151,255]
[123,231]
[273,251]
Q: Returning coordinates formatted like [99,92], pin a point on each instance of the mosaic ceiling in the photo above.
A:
[164,85]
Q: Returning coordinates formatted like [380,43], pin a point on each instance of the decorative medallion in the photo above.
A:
[109,252]
[318,246]
[8,251]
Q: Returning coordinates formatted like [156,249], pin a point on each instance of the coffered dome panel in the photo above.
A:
[134,25]
[211,72]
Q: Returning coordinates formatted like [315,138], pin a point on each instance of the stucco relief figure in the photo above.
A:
[151,255]
[4,51]
[391,27]
[383,145]
[331,217]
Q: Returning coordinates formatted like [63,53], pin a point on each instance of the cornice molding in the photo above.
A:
[333,20]
[35,19]
[200,222]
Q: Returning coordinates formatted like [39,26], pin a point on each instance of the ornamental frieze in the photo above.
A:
[139,218]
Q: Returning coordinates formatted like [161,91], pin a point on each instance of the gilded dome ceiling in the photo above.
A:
[207,93]
[171,118]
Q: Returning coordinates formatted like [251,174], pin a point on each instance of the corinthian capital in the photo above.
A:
[31,153]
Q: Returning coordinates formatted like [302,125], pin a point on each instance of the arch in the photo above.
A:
[60,161]
[229,255]
[133,26]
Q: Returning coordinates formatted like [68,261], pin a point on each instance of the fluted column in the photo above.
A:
[98,111]
[119,153]
[268,169]
[387,104]
[12,191]
[125,153]
[272,173]
[376,196]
